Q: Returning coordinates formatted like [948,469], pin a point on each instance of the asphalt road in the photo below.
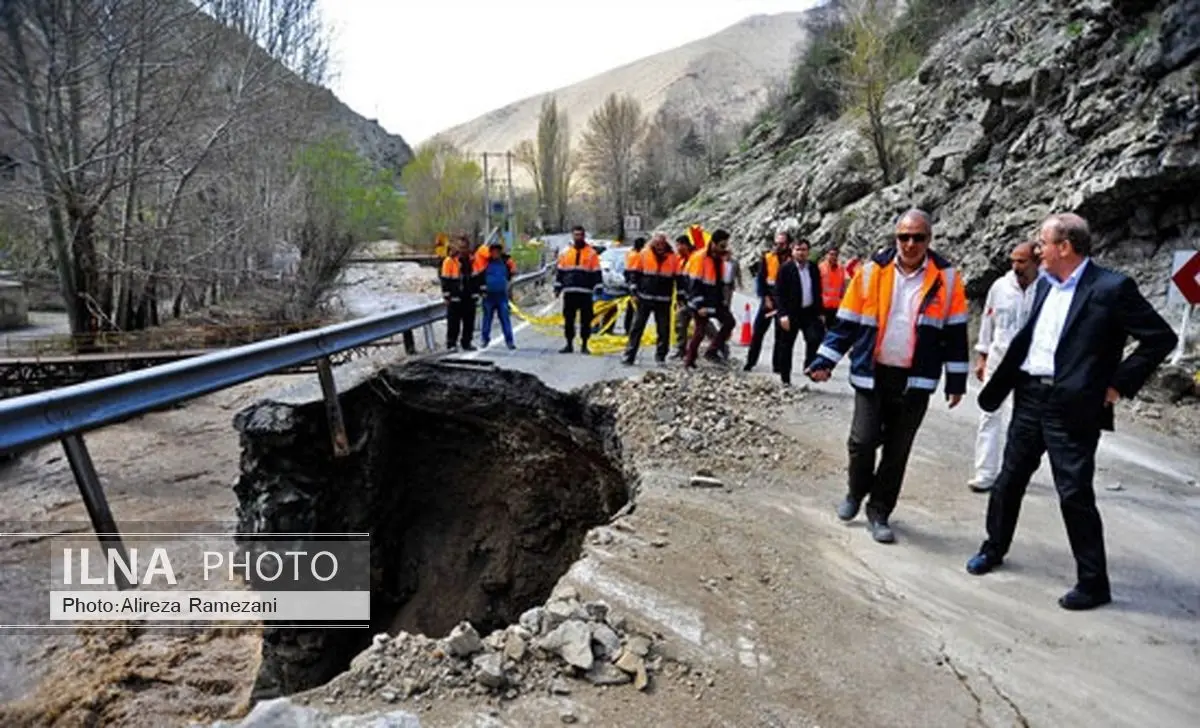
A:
[1017,658]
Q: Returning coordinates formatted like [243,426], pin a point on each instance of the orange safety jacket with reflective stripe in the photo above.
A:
[655,279]
[704,282]
[632,260]
[941,325]
[768,273]
[578,270]
[458,280]
[833,284]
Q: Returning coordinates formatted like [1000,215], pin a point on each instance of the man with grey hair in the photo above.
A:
[903,318]
[1066,373]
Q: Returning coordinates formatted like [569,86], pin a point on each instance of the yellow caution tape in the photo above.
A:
[603,341]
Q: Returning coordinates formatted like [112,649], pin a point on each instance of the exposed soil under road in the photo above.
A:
[785,616]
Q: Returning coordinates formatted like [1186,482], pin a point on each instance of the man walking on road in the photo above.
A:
[799,310]
[658,272]
[768,303]
[903,318]
[706,298]
[1066,373]
[578,278]
[1004,313]
[459,288]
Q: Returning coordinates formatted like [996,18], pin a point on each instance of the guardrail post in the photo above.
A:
[410,344]
[333,410]
[93,498]
[430,341]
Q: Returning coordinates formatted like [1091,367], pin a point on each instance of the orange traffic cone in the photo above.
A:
[747,334]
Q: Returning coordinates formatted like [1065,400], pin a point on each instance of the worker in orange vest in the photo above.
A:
[834,278]
[768,302]
[633,259]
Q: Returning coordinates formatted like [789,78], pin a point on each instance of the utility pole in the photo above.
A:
[512,209]
[487,197]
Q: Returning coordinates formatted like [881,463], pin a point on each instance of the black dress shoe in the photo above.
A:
[1077,601]
[982,562]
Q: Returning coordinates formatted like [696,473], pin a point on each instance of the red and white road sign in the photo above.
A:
[1187,278]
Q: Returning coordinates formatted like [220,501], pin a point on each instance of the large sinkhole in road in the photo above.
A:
[476,485]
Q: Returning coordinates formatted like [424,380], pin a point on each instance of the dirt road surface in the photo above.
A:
[784,615]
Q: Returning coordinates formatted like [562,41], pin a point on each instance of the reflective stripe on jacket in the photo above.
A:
[578,271]
[656,279]
[704,283]
[833,283]
[941,325]
[633,260]
[458,280]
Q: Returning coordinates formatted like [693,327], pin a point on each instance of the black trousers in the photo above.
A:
[581,304]
[631,314]
[662,326]
[724,317]
[830,316]
[758,332]
[887,419]
[785,344]
[460,319]
[1037,427]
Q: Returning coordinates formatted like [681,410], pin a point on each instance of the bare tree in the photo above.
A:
[873,58]
[608,152]
[130,115]
[291,31]
[550,164]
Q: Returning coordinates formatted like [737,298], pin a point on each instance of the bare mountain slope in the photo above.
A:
[728,74]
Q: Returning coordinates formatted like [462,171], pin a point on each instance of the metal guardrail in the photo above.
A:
[65,414]
[36,419]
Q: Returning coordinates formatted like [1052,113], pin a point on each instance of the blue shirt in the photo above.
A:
[495,276]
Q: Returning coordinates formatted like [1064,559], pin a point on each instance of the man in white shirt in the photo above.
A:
[1005,312]
[1067,370]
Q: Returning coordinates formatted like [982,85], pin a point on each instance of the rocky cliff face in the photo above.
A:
[1023,108]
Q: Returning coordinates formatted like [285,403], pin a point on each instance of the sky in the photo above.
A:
[422,66]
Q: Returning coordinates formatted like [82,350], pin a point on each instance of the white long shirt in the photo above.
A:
[900,335]
[1049,326]
[1005,312]
[806,285]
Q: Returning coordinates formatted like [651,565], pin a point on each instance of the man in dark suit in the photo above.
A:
[1066,373]
[798,288]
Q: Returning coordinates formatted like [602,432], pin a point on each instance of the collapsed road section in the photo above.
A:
[477,487]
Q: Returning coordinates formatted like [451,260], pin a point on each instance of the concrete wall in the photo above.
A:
[14,305]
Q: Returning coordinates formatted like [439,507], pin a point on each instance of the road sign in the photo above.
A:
[1185,277]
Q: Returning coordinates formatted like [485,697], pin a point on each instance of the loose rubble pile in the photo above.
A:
[708,417]
[547,652]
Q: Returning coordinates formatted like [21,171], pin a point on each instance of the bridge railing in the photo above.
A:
[65,414]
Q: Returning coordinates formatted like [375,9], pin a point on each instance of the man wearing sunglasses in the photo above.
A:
[903,319]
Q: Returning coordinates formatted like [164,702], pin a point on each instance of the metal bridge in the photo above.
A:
[67,413]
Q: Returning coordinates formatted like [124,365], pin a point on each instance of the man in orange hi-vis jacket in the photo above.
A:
[460,284]
[903,318]
[577,279]
[705,275]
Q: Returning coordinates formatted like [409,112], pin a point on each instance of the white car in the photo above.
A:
[612,269]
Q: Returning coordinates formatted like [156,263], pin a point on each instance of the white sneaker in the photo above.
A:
[978,485]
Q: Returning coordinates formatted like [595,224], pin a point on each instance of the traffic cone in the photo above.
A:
[747,334]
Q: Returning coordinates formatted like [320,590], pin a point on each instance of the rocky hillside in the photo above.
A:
[1024,107]
[726,75]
